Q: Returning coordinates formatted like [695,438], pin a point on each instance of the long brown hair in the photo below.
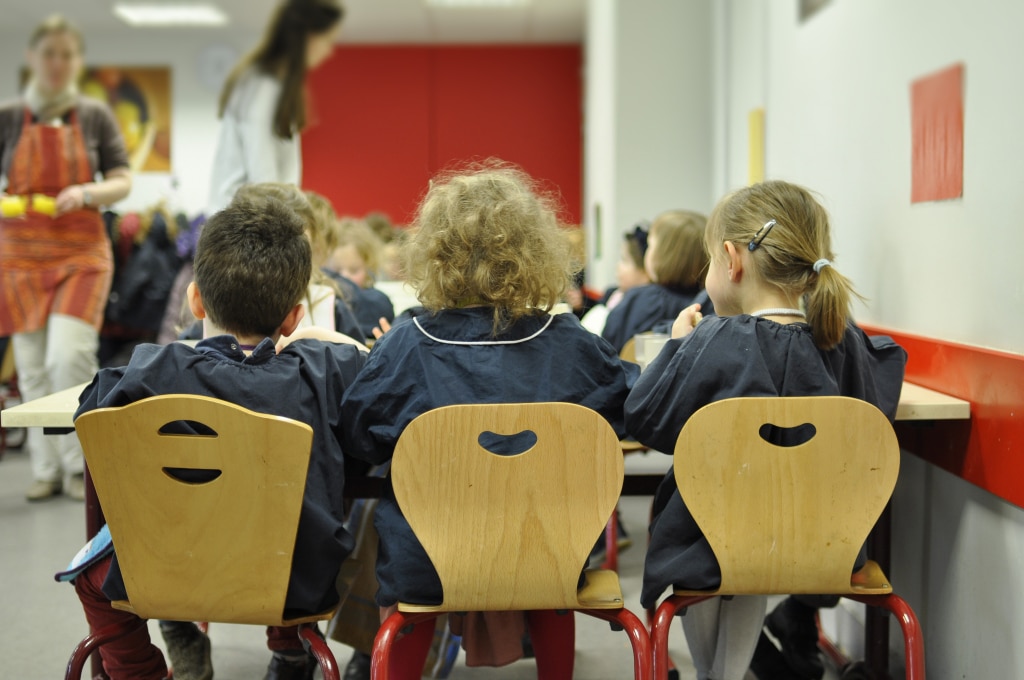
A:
[282,54]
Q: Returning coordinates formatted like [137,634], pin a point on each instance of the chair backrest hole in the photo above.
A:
[187,428]
[787,436]
[192,475]
[507,444]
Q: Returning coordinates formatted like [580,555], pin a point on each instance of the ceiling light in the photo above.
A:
[152,14]
[478,3]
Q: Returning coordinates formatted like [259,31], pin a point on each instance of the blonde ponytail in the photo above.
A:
[828,306]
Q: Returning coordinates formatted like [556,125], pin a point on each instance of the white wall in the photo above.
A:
[836,93]
[647,143]
[194,106]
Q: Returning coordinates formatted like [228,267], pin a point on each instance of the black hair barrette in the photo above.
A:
[760,235]
[639,234]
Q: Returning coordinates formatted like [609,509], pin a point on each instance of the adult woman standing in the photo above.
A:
[55,257]
[263,103]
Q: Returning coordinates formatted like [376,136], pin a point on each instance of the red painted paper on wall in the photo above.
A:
[937,118]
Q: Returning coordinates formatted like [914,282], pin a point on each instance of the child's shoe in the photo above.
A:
[796,629]
[188,650]
[298,666]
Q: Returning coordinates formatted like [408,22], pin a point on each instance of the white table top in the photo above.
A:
[57,410]
[921,403]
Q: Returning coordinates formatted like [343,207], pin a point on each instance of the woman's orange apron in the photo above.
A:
[51,265]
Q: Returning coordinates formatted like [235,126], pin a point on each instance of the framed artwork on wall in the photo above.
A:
[140,98]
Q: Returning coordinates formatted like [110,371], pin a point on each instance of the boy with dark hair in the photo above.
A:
[252,267]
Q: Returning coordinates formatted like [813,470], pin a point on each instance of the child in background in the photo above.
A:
[770,248]
[629,273]
[489,260]
[261,243]
[356,258]
[675,261]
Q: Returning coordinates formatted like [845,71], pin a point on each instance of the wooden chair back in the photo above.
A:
[786,519]
[628,351]
[214,551]
[508,532]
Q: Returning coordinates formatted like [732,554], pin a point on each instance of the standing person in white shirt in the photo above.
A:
[263,104]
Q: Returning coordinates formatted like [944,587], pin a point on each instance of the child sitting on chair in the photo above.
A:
[489,261]
[770,250]
[252,268]
[355,261]
[675,262]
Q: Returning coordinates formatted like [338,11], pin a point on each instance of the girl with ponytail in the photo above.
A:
[782,328]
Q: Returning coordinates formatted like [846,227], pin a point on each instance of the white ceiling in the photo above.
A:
[367,21]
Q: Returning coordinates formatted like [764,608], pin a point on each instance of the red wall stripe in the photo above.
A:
[989,449]
[387,118]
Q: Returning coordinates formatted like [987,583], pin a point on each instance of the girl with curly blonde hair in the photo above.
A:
[489,260]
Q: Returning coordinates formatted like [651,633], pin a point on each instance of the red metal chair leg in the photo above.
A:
[388,632]
[638,637]
[93,641]
[667,611]
[319,649]
[913,640]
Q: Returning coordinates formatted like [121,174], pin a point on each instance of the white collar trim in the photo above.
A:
[543,328]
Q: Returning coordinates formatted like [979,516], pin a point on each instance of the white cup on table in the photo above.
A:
[648,346]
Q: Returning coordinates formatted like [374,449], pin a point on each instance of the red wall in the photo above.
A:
[386,119]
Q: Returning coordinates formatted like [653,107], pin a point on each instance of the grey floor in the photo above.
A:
[43,620]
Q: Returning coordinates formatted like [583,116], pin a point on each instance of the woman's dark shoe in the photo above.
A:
[358,667]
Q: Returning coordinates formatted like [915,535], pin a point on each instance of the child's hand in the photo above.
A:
[382,328]
[686,321]
[323,334]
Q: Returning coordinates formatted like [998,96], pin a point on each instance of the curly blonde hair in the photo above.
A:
[487,235]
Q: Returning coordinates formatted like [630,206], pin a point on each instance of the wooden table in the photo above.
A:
[56,411]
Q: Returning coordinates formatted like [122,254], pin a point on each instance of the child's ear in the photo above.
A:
[734,261]
[195,301]
[291,322]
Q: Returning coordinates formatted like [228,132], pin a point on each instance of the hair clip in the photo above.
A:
[760,235]
[639,234]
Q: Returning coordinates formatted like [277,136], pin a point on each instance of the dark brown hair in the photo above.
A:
[282,54]
[252,265]
[56,23]
[299,203]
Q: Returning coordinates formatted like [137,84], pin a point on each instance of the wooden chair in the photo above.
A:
[215,551]
[511,532]
[628,351]
[789,520]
